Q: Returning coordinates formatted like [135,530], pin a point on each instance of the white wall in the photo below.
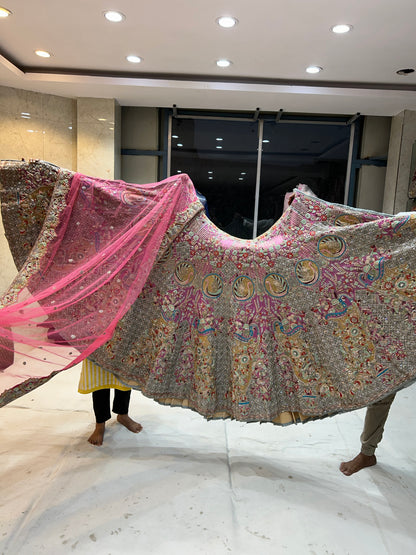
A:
[139,131]
[81,135]
[371,179]
[399,167]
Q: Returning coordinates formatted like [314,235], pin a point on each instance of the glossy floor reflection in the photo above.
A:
[185,485]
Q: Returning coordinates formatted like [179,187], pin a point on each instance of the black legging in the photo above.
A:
[101,403]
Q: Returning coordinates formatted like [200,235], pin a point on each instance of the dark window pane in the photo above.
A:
[220,156]
[293,153]
[221,159]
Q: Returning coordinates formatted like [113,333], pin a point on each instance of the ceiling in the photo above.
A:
[273,43]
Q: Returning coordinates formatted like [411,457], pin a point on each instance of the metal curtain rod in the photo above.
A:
[175,114]
[350,121]
[256,117]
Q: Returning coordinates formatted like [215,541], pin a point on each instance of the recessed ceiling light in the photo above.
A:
[219,139]
[179,144]
[210,172]
[218,146]
[4,12]
[114,17]
[227,21]
[210,177]
[179,171]
[313,69]
[223,63]
[42,53]
[243,173]
[405,71]
[175,136]
[266,141]
[240,179]
[341,28]
[134,59]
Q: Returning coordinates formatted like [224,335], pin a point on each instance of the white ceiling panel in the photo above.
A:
[270,48]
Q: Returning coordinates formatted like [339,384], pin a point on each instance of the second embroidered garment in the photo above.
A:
[315,317]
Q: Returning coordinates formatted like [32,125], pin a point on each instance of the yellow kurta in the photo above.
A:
[93,378]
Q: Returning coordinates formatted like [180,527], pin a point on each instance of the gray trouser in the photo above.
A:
[375,418]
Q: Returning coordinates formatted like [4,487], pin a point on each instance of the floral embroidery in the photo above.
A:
[316,316]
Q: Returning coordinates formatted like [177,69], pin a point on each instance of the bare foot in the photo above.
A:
[357,463]
[130,424]
[96,438]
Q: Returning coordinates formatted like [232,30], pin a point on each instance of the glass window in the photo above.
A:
[310,153]
[221,159]
[221,156]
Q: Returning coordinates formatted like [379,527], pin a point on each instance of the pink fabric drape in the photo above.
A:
[97,246]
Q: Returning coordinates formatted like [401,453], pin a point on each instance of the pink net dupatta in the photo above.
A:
[97,246]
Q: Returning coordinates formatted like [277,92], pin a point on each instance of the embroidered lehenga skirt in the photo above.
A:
[315,317]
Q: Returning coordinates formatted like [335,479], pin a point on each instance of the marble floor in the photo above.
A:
[188,486]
